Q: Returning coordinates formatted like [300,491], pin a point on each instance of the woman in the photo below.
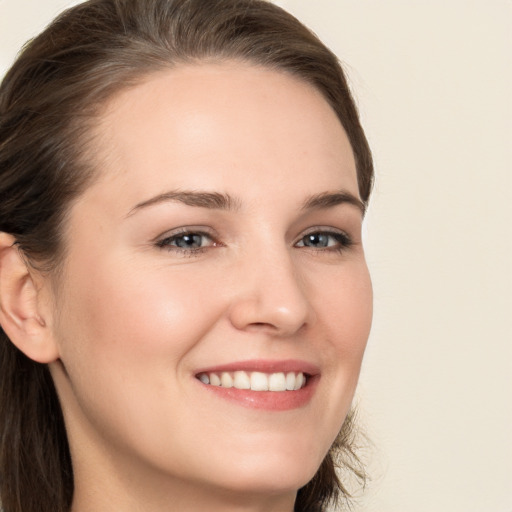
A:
[184,297]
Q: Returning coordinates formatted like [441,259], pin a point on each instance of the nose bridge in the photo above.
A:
[271,292]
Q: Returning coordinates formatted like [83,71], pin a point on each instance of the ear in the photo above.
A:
[24,311]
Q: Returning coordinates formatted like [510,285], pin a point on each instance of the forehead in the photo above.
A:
[212,124]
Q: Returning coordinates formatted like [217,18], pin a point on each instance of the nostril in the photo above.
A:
[282,308]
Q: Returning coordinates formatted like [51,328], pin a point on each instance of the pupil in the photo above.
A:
[316,240]
[189,241]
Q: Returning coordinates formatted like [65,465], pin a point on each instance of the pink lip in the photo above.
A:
[266,400]
[265,366]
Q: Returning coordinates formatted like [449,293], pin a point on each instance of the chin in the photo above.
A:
[276,472]
[269,483]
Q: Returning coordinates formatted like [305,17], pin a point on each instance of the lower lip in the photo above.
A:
[267,400]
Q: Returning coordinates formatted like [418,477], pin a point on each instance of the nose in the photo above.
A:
[270,296]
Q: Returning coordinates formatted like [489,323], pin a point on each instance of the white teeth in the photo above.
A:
[259,381]
[290,381]
[226,380]
[255,381]
[214,379]
[299,381]
[277,382]
[241,380]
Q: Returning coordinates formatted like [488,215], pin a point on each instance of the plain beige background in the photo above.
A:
[433,80]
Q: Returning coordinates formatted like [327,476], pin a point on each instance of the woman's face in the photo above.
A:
[221,242]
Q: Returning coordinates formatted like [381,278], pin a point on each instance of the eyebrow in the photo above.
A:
[211,200]
[218,201]
[331,199]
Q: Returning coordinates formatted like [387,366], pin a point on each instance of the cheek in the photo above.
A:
[346,314]
[136,311]
[347,309]
[125,336]
[357,312]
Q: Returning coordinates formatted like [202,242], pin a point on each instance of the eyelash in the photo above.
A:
[343,241]
[165,243]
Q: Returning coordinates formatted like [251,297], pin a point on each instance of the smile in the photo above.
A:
[272,385]
[255,381]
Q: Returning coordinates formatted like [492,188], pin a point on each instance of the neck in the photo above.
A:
[183,498]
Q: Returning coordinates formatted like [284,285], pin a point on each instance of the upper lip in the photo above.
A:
[264,366]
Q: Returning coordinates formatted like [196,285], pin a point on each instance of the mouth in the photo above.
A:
[270,385]
[255,381]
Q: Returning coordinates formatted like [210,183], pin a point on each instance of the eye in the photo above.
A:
[325,240]
[188,241]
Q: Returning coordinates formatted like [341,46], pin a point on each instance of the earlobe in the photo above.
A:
[23,315]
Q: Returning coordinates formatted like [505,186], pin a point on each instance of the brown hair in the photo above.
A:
[48,100]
